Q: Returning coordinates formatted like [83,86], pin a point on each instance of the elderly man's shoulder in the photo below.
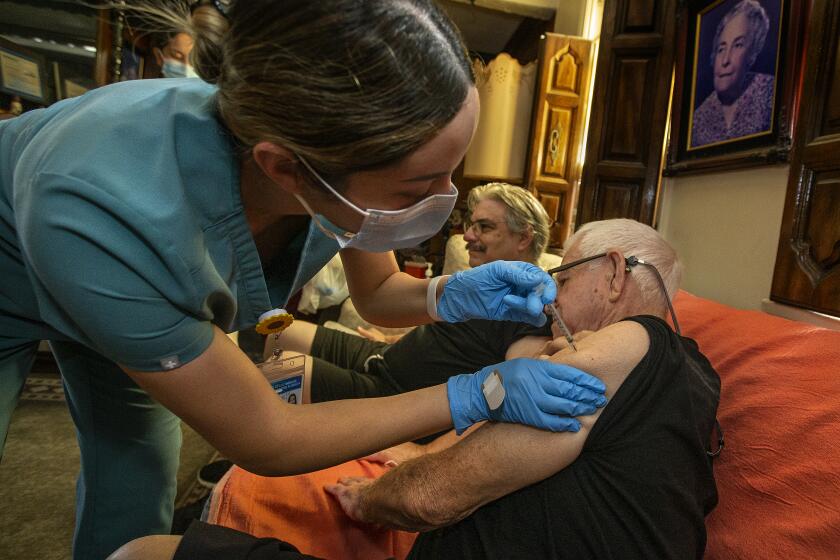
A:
[611,351]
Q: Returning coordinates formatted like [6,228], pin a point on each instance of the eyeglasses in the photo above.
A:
[480,226]
[630,262]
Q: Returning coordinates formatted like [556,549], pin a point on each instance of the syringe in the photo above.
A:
[559,320]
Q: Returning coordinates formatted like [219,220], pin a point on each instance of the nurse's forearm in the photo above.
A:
[326,434]
[399,301]
[225,398]
[381,293]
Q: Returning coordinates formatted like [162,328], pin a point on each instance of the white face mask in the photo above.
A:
[176,69]
[385,230]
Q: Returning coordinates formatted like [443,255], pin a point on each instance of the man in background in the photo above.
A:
[634,482]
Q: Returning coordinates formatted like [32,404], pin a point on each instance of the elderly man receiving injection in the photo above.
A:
[634,482]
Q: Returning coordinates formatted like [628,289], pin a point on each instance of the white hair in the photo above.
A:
[759,25]
[634,239]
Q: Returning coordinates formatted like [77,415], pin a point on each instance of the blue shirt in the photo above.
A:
[122,227]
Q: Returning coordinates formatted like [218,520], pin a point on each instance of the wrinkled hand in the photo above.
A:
[538,393]
[396,455]
[350,492]
[500,290]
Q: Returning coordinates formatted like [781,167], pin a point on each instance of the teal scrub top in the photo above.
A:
[122,228]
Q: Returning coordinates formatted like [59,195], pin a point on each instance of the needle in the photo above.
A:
[559,320]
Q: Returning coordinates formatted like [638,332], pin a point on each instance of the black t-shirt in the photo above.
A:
[640,488]
[430,354]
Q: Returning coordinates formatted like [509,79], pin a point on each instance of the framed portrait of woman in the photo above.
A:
[735,84]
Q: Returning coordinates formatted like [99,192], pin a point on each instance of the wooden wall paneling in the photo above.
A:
[807,272]
[103,64]
[629,111]
[557,129]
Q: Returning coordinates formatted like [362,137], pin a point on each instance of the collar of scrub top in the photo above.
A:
[630,262]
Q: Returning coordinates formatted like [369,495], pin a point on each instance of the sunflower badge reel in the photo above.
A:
[274,321]
[286,374]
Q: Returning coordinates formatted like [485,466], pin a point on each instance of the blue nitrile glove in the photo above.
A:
[538,393]
[500,290]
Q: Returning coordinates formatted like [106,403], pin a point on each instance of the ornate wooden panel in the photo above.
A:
[617,198]
[807,270]
[629,111]
[627,124]
[557,130]
[639,16]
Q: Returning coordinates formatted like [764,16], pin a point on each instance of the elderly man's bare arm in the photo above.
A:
[442,488]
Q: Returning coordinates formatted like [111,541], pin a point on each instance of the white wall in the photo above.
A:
[725,226]
[569,16]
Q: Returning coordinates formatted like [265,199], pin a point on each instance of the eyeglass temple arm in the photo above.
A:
[633,261]
[563,267]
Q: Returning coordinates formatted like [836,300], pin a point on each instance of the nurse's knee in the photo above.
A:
[153,547]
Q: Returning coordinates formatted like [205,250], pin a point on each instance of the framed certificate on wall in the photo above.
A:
[22,73]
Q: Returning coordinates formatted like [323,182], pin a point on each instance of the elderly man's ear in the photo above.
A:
[618,271]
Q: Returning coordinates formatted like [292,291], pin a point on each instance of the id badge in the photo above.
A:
[287,376]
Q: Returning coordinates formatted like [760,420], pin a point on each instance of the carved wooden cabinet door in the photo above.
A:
[807,270]
[557,131]
[629,111]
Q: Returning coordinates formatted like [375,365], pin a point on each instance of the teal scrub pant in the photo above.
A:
[129,446]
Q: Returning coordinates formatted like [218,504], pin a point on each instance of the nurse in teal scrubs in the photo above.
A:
[143,220]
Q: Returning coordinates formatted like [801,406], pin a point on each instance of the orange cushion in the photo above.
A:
[297,510]
[778,478]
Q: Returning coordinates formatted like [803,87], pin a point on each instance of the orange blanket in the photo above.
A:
[297,510]
[778,477]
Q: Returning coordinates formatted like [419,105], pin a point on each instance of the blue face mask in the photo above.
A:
[385,230]
[175,69]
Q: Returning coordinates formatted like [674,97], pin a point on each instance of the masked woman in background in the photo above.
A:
[172,54]
[143,220]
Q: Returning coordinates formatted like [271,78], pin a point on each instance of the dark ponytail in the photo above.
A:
[347,84]
[208,28]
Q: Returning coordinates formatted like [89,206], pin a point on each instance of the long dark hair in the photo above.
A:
[347,84]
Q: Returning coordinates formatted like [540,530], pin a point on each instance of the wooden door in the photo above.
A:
[629,111]
[807,272]
[557,129]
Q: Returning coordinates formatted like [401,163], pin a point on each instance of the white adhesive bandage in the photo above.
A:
[431,298]
[494,391]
